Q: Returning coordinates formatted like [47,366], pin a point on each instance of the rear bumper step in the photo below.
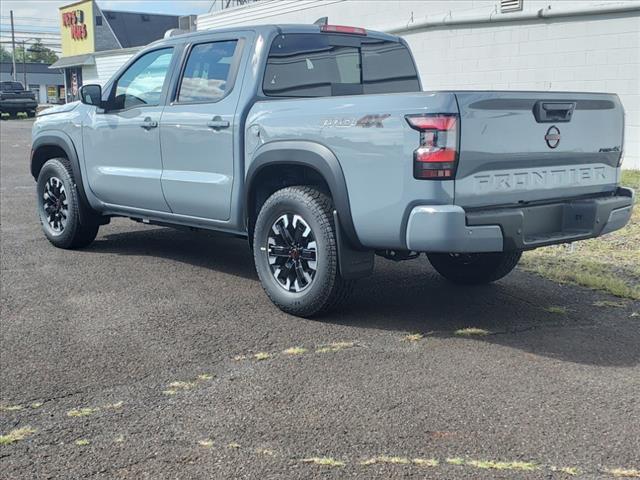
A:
[448,228]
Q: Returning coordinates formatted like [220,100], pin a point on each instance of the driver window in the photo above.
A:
[141,84]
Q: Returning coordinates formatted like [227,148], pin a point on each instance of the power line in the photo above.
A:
[33,19]
[35,31]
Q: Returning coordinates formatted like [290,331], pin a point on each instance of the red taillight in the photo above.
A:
[343,29]
[437,156]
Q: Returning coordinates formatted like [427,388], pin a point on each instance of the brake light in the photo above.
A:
[343,29]
[437,156]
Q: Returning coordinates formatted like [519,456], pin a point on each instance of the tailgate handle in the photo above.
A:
[551,112]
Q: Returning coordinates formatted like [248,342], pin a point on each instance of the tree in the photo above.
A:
[5,56]
[38,53]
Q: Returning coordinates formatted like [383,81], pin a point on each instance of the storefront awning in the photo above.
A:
[75,61]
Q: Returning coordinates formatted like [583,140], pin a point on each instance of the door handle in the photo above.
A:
[148,124]
[216,123]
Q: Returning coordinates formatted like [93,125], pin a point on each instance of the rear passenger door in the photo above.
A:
[198,127]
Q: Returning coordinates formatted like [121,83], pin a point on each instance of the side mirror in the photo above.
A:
[91,95]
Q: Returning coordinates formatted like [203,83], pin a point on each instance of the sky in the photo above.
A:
[36,18]
[48,9]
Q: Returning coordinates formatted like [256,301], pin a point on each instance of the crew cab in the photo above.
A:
[15,99]
[319,145]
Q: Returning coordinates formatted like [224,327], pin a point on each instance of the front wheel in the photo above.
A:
[474,268]
[296,253]
[59,207]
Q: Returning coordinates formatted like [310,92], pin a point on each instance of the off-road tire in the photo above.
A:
[474,268]
[328,289]
[74,234]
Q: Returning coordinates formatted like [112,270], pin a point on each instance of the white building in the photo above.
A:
[567,45]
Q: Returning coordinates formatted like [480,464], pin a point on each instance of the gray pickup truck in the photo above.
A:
[15,99]
[318,144]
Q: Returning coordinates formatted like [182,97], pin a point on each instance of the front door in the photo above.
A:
[122,144]
[197,131]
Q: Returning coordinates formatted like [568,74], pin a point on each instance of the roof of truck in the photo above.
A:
[285,28]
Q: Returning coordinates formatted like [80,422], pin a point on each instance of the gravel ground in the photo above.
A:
[136,358]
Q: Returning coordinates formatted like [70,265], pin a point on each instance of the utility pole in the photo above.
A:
[24,64]
[13,47]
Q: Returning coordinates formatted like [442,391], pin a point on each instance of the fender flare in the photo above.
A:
[66,144]
[315,156]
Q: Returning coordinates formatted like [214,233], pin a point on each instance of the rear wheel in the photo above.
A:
[474,268]
[59,207]
[295,252]
[31,113]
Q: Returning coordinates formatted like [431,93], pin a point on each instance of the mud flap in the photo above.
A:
[353,263]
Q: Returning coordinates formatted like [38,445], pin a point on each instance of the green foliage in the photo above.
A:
[36,52]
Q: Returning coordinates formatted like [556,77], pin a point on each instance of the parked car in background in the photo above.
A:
[15,99]
[319,145]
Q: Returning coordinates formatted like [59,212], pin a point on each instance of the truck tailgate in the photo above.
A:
[521,147]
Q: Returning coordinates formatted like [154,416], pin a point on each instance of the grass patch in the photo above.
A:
[82,442]
[608,263]
[609,304]
[335,347]
[267,452]
[413,337]
[234,445]
[205,443]
[114,406]
[470,331]
[36,404]
[386,459]
[16,435]
[425,462]
[294,351]
[624,472]
[489,464]
[566,470]
[260,356]
[119,439]
[324,461]
[179,385]
[557,310]
[455,461]
[82,412]
[10,408]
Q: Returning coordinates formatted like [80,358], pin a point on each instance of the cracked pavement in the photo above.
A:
[144,307]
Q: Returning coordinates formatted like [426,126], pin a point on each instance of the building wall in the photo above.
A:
[42,80]
[573,53]
[106,64]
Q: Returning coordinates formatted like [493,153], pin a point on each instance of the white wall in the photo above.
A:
[575,53]
[106,64]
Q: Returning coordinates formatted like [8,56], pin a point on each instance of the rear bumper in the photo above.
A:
[448,228]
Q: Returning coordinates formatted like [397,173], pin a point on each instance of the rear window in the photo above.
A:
[320,65]
[11,86]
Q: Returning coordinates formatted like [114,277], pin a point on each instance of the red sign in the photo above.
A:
[74,20]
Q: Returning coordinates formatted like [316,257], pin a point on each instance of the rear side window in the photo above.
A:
[207,72]
[320,65]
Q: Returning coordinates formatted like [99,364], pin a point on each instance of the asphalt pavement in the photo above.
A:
[154,353]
